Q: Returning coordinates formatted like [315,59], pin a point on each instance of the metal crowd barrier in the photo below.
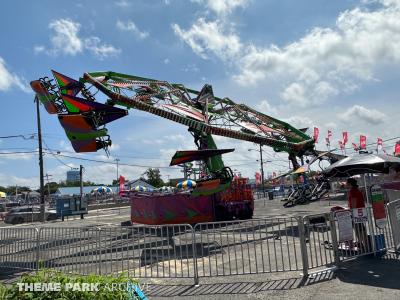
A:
[247,247]
[205,250]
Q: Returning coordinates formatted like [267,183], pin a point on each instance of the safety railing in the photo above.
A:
[247,247]
[231,248]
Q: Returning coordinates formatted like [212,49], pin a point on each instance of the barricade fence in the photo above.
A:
[232,248]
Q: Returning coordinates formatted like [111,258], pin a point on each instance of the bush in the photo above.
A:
[105,285]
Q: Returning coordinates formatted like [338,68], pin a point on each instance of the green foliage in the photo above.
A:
[154,177]
[104,283]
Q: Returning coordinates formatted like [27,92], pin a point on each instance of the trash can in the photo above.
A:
[270,195]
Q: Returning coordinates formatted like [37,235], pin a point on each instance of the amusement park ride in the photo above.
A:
[216,196]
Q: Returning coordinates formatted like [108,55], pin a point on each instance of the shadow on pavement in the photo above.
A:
[234,288]
[379,272]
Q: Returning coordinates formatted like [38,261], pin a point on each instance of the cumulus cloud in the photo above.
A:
[65,40]
[130,26]
[223,7]
[123,3]
[358,112]
[300,122]
[324,63]
[265,107]
[9,80]
[209,36]
[100,50]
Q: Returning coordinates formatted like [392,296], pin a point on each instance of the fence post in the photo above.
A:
[37,247]
[196,270]
[335,243]
[99,247]
[303,246]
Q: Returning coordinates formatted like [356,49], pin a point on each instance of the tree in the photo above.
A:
[154,177]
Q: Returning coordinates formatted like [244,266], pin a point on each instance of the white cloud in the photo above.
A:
[166,61]
[16,156]
[349,52]
[101,51]
[300,122]
[9,180]
[130,26]
[223,7]
[358,112]
[211,36]
[123,3]
[65,40]
[265,107]
[9,80]
[324,63]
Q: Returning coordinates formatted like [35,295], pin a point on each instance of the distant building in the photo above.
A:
[73,176]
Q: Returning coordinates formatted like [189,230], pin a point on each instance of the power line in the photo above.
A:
[59,160]
[113,163]
[30,136]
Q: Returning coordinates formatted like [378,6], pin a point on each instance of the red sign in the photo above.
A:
[397,149]
[363,142]
[316,134]
[345,137]
[258,178]
[121,183]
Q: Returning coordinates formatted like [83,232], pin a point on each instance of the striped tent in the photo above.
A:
[187,184]
[140,188]
[166,189]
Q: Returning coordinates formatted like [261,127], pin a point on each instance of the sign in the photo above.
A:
[378,206]
[363,142]
[394,213]
[345,137]
[345,225]
[316,134]
[360,215]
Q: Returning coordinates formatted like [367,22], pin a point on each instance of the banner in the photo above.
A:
[378,206]
[345,137]
[258,178]
[341,145]
[397,149]
[379,144]
[329,134]
[363,142]
[121,183]
[316,134]
[355,147]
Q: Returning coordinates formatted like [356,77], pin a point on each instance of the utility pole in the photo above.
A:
[42,215]
[262,171]
[81,187]
[117,160]
[48,187]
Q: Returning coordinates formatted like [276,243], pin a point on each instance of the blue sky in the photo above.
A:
[331,64]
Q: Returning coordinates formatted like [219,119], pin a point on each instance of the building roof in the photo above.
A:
[137,182]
